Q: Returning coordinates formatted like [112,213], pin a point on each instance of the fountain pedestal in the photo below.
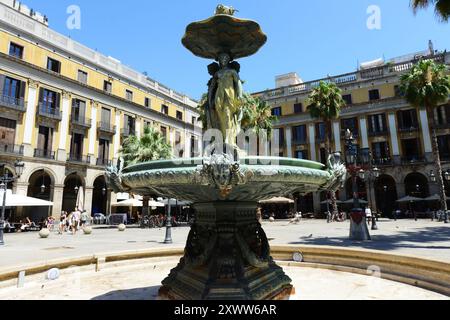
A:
[227,257]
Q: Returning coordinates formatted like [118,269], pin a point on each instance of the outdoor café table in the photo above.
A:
[119,218]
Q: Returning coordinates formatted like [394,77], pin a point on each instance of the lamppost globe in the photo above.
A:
[19,166]
[432,176]
[362,174]
[76,189]
[376,173]
[43,188]
[447,175]
[104,191]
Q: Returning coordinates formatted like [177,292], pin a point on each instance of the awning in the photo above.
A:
[128,203]
[277,200]
[435,198]
[330,202]
[17,200]
[351,201]
[136,203]
[410,199]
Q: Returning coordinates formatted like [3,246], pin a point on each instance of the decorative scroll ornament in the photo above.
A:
[113,176]
[338,172]
[221,171]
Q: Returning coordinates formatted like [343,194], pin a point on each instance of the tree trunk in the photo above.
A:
[332,195]
[437,158]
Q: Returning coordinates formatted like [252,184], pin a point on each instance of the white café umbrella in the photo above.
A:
[279,200]
[132,203]
[435,198]
[410,199]
[17,200]
[80,199]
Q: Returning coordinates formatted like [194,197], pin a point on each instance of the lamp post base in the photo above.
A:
[359,231]
[227,257]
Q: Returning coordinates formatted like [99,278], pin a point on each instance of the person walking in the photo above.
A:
[62,222]
[368,213]
[84,219]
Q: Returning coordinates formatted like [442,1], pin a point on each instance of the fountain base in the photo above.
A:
[227,257]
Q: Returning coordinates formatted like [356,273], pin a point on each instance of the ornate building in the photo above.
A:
[66,109]
[396,134]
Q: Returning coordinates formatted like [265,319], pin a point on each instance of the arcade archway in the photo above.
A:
[72,186]
[386,195]
[40,186]
[99,196]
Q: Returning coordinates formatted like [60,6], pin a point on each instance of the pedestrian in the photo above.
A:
[84,219]
[368,213]
[62,222]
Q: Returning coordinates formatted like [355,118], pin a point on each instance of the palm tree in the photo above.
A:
[151,146]
[325,103]
[256,114]
[428,85]
[442,7]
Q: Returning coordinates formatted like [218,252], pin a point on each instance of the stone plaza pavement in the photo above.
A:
[423,238]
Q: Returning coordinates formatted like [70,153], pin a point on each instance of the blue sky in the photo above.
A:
[312,38]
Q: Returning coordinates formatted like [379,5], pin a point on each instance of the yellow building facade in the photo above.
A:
[396,135]
[66,109]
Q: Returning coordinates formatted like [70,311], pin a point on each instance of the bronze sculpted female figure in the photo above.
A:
[224,98]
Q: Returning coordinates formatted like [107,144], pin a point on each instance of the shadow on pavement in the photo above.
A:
[148,293]
[403,239]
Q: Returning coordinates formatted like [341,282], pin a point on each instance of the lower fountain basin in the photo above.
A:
[266,177]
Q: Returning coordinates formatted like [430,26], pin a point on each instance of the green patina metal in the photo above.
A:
[227,254]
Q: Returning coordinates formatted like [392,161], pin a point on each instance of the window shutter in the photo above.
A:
[23,86]
[41,95]
[2,84]
[58,100]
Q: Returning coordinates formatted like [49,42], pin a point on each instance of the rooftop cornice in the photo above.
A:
[23,24]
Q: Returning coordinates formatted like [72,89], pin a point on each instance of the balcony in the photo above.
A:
[106,127]
[382,162]
[103,162]
[81,122]
[299,141]
[78,158]
[126,132]
[414,128]
[11,149]
[408,160]
[44,154]
[12,103]
[439,126]
[378,133]
[47,111]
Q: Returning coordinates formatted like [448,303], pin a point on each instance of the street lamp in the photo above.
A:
[433,177]
[447,178]
[19,167]
[358,227]
[371,175]
[168,239]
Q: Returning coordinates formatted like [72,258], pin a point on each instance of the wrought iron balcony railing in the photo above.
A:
[45,154]
[378,133]
[81,121]
[17,104]
[126,132]
[103,162]
[413,160]
[11,149]
[106,127]
[78,158]
[414,128]
[45,110]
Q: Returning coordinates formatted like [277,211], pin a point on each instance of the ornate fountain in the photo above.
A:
[227,254]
